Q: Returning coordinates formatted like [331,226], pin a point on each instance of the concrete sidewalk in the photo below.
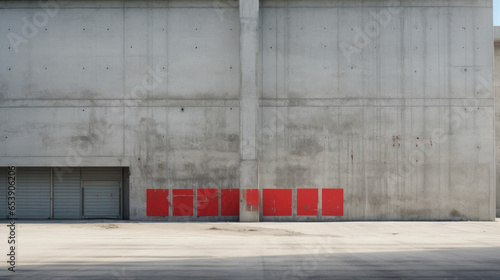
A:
[350,250]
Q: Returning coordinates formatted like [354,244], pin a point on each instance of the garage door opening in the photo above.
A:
[67,193]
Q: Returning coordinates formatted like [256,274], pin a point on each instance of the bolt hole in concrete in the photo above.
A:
[182,109]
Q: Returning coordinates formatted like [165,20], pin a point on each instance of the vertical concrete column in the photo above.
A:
[249,106]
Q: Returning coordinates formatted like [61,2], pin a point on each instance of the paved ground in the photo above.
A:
[128,250]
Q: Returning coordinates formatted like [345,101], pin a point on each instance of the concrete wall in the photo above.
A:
[390,101]
[497,113]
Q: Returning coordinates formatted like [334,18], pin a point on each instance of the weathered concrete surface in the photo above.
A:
[436,250]
[249,105]
[383,100]
[497,111]
[391,101]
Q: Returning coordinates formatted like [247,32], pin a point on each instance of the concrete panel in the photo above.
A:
[202,47]
[73,133]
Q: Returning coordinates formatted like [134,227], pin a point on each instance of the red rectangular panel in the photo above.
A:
[252,199]
[230,202]
[277,202]
[307,202]
[207,202]
[182,200]
[157,203]
[333,202]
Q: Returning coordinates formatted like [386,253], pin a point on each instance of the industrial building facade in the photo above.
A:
[199,110]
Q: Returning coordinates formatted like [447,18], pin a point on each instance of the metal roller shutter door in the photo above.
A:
[67,198]
[101,199]
[33,193]
[101,192]
[3,193]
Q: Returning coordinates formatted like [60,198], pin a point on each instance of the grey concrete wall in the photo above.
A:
[390,101]
[497,113]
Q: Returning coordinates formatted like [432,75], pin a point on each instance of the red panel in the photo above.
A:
[252,199]
[182,200]
[277,202]
[230,202]
[207,202]
[307,202]
[333,202]
[157,203]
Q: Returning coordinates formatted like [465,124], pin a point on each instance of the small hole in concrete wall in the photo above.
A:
[196,29]
[352,29]
[271,47]
[139,159]
[9,48]
[465,70]
[270,29]
[83,29]
[130,46]
[182,109]
[107,67]
[324,68]
[45,29]
[302,28]
[163,68]
[230,108]
[45,68]
[324,28]
[196,47]
[9,69]
[163,29]
[230,67]
[324,46]
[9,29]
[107,29]
[230,29]
[83,68]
